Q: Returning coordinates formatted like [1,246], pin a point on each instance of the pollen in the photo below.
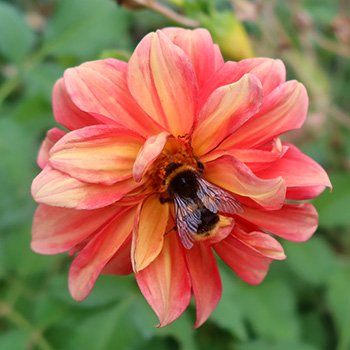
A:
[179,153]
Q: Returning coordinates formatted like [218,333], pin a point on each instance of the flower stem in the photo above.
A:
[168,13]
[8,86]
[18,320]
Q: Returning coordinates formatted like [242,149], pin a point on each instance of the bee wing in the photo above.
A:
[187,219]
[206,193]
[216,199]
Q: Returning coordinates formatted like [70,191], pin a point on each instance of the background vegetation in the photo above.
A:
[304,303]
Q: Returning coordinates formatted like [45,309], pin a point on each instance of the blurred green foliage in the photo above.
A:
[304,302]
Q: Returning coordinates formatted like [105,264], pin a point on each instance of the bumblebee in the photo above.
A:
[197,202]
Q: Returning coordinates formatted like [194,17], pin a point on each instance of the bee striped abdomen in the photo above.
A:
[209,220]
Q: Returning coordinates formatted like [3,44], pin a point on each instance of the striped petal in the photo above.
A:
[295,222]
[148,154]
[270,72]
[100,89]
[248,264]
[199,48]
[225,111]
[120,263]
[52,136]
[165,283]
[56,230]
[305,184]
[66,112]
[258,241]
[235,177]
[88,264]
[148,236]
[218,59]
[255,159]
[163,82]
[97,154]
[52,187]
[284,109]
[206,282]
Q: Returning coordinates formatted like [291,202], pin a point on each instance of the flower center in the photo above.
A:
[176,153]
[176,177]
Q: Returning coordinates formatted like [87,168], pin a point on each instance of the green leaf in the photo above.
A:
[106,329]
[16,173]
[323,11]
[34,114]
[315,330]
[167,343]
[143,319]
[117,54]
[226,30]
[17,258]
[15,339]
[333,207]
[83,29]
[49,311]
[313,260]
[279,345]
[271,310]
[16,37]
[41,79]
[339,301]
[229,313]
[209,336]
[109,288]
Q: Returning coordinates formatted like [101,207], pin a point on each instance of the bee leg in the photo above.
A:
[164,199]
[172,229]
[200,165]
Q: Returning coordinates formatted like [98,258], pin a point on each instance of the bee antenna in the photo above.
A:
[170,160]
[172,229]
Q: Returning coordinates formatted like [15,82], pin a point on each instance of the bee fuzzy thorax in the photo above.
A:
[197,203]
[181,179]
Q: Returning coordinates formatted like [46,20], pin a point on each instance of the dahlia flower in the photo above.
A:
[104,189]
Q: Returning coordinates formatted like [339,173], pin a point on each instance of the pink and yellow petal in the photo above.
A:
[206,282]
[305,184]
[56,230]
[270,72]
[89,263]
[149,152]
[199,48]
[52,136]
[52,187]
[295,222]
[284,109]
[150,225]
[120,263]
[97,154]
[100,89]
[248,264]
[255,159]
[218,59]
[66,112]
[235,177]
[226,225]
[226,109]
[163,82]
[166,283]
[258,241]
